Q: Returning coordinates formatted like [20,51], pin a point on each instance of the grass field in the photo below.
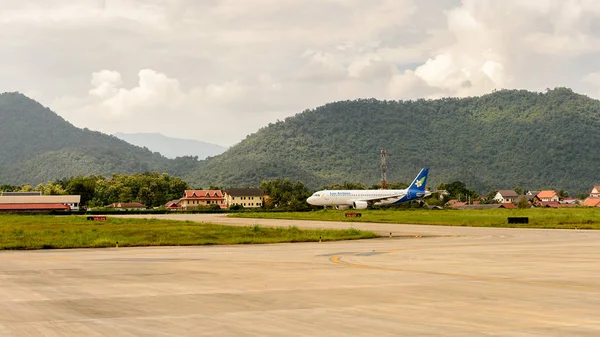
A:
[44,232]
[568,218]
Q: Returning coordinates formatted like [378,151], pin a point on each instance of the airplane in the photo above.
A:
[361,199]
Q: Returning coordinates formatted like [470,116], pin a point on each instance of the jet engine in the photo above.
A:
[360,204]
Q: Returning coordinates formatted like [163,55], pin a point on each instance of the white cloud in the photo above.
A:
[370,66]
[105,83]
[592,81]
[158,103]
[203,67]
[320,66]
[409,86]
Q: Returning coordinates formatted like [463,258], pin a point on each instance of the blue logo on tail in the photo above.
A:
[418,185]
[416,190]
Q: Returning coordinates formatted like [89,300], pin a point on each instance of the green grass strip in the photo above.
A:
[45,232]
[565,218]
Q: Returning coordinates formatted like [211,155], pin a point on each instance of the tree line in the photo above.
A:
[156,189]
[150,189]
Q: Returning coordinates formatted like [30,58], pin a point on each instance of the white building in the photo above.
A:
[245,197]
[506,196]
[595,192]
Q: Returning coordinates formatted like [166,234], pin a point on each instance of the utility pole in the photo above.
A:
[383,169]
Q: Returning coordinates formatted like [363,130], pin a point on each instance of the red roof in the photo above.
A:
[34,207]
[173,203]
[457,204]
[592,202]
[508,205]
[550,204]
[203,194]
[546,194]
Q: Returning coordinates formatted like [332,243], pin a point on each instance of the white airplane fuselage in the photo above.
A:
[358,198]
[361,199]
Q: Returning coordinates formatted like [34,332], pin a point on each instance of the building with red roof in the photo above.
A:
[34,207]
[548,196]
[195,198]
[591,202]
[30,201]
[174,204]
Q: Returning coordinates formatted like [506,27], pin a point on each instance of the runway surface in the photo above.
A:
[425,281]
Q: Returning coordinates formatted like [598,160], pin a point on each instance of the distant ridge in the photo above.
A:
[172,147]
[40,146]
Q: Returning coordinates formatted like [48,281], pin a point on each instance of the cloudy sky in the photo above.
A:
[218,70]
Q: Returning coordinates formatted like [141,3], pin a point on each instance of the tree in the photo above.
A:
[26,188]
[489,198]
[8,188]
[151,189]
[392,185]
[285,194]
[518,190]
[563,194]
[51,189]
[457,189]
[346,186]
[146,196]
[523,203]
[83,186]
[397,185]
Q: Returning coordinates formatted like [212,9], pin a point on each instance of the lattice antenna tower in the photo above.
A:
[383,169]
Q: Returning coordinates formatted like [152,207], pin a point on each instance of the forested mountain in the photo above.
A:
[172,147]
[37,146]
[502,140]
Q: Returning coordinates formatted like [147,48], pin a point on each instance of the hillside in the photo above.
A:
[505,139]
[502,140]
[172,147]
[38,146]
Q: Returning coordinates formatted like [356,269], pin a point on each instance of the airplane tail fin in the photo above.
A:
[420,181]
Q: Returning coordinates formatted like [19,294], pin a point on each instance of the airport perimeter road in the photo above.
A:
[452,281]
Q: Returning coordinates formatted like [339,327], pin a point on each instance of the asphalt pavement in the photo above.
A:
[424,281]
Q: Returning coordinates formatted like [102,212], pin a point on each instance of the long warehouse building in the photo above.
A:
[34,201]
